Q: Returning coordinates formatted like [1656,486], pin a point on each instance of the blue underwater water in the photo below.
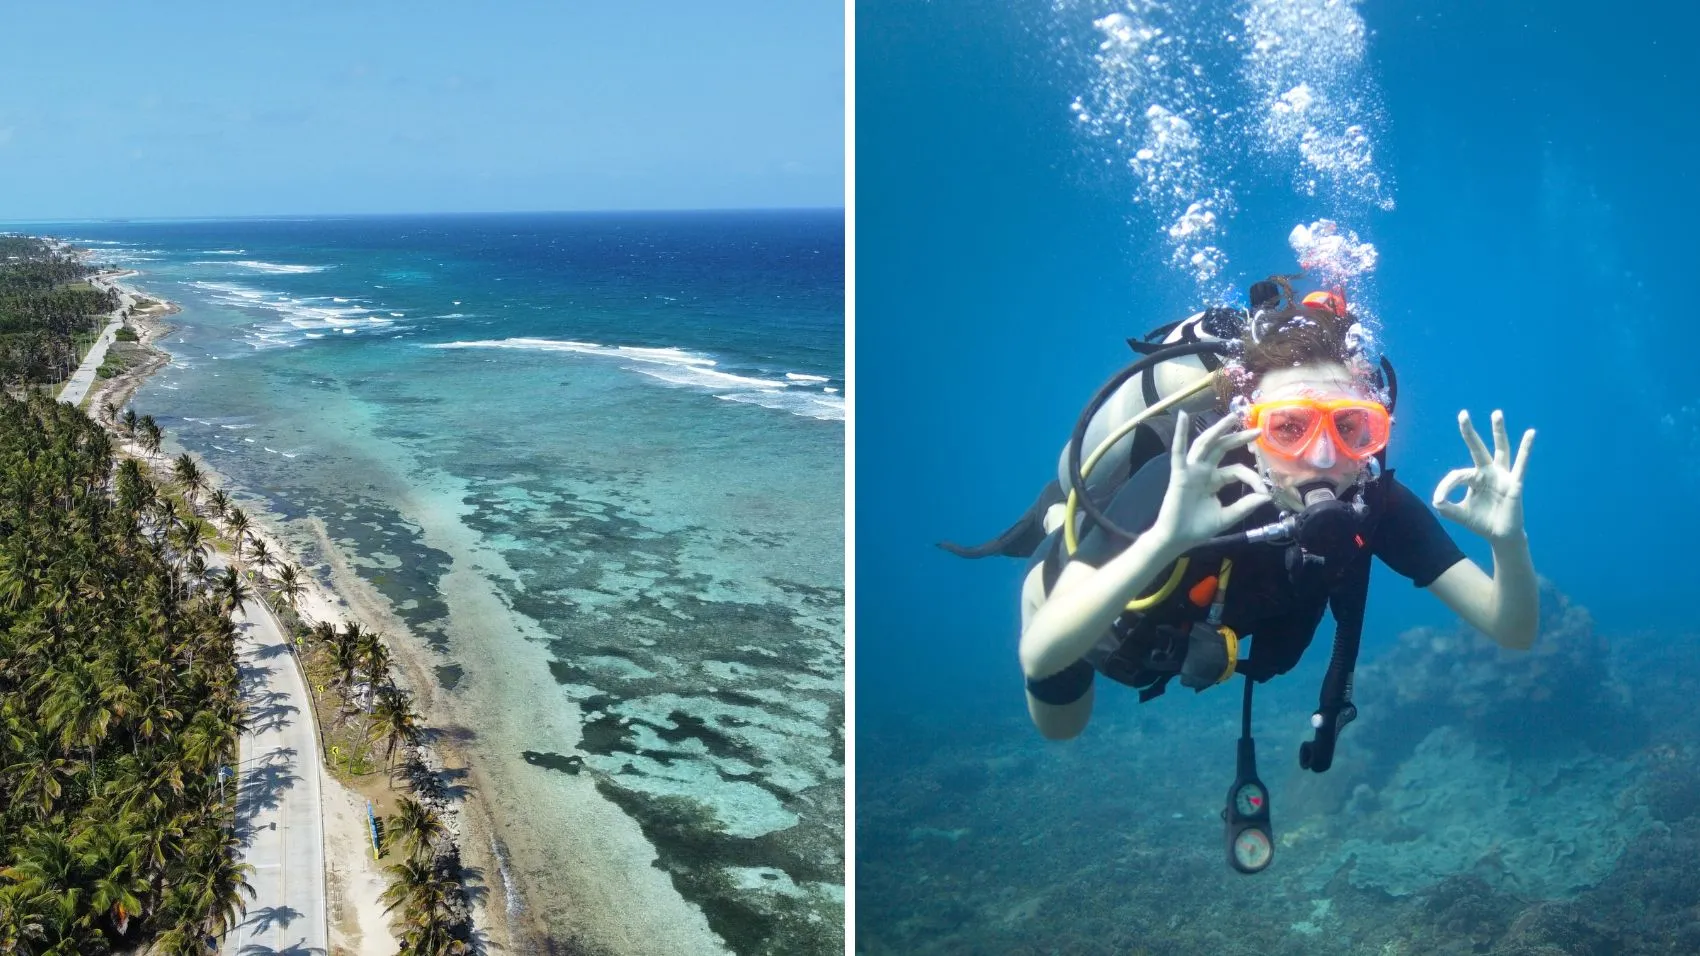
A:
[1527,186]
[594,463]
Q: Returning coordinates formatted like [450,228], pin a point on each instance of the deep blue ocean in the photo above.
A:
[589,470]
[1523,172]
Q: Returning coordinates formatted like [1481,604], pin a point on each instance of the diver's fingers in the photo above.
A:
[1242,509]
[1453,479]
[1478,451]
[1228,474]
[1240,439]
[1177,446]
[1522,463]
[1205,449]
[1447,509]
[1501,441]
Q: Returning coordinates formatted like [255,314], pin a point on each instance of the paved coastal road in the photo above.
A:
[279,810]
[83,377]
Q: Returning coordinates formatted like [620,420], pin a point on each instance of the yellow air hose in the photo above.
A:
[1127,427]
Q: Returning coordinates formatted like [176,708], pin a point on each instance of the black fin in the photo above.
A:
[1019,540]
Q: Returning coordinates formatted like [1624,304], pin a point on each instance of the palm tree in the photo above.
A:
[119,696]
[151,434]
[259,554]
[289,586]
[345,655]
[189,475]
[415,828]
[394,722]
[373,655]
[239,526]
[232,590]
[219,503]
[109,855]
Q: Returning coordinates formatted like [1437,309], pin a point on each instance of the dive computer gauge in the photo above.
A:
[1251,850]
[1246,828]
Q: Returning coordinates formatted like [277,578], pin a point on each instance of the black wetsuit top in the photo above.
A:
[1262,601]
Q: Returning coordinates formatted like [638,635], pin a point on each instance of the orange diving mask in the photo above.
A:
[1358,427]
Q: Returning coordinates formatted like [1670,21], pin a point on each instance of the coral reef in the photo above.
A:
[1563,691]
[1545,828]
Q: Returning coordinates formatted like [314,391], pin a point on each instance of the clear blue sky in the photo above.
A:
[194,108]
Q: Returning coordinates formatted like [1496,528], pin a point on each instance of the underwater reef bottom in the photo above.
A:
[1486,802]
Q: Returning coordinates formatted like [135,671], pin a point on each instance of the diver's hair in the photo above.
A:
[1286,334]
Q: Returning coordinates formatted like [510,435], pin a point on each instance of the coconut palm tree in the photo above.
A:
[239,526]
[415,828]
[151,434]
[288,585]
[394,722]
[119,698]
[259,555]
[189,476]
[232,590]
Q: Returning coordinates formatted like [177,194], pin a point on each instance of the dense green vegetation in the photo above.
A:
[43,307]
[118,702]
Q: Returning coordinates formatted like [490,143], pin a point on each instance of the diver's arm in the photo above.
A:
[1506,607]
[1085,600]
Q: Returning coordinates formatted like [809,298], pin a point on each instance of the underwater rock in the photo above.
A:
[1555,928]
[1541,827]
[1563,690]
[1464,910]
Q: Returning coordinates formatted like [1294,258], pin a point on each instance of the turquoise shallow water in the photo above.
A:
[598,470]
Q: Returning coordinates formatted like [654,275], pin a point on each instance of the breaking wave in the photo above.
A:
[687,369]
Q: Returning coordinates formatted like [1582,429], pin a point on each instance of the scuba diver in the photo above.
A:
[1229,486]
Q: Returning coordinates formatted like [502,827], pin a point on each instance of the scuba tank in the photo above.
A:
[1217,327]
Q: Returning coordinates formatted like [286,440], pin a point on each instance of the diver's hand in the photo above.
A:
[1493,496]
[1191,513]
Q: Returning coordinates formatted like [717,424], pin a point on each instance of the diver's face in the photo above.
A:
[1323,460]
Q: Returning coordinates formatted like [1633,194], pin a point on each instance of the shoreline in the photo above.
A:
[351,876]
[613,872]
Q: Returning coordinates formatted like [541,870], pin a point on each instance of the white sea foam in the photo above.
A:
[806,404]
[299,317]
[685,369]
[223,252]
[277,268]
[800,377]
[666,356]
[705,377]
